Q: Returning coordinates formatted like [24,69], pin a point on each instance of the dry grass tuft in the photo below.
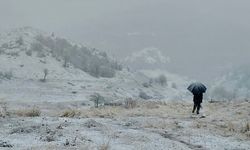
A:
[245,128]
[33,112]
[70,113]
[105,146]
[231,127]
[152,105]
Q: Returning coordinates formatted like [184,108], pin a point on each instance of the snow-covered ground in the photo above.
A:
[150,125]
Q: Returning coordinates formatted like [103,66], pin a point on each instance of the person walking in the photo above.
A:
[197,89]
[197,102]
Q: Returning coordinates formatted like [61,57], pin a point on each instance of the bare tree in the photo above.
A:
[46,72]
[20,40]
[97,99]
[66,61]
[162,80]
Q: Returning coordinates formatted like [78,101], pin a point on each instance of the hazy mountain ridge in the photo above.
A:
[148,58]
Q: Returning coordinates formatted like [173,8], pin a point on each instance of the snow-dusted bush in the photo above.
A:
[20,41]
[6,75]
[36,46]
[4,109]
[45,72]
[130,103]
[28,52]
[144,95]
[162,80]
[97,99]
[146,84]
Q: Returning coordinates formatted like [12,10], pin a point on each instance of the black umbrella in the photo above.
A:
[197,88]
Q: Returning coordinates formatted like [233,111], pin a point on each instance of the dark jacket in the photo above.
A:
[198,98]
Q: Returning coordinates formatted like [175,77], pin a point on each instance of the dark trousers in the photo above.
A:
[197,105]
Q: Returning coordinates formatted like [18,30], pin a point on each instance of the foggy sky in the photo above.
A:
[202,38]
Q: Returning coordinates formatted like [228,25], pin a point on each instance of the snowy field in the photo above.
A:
[145,125]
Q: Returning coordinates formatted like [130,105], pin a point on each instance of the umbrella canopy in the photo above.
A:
[197,88]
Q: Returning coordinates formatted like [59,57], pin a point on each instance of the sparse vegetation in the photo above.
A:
[45,72]
[96,63]
[6,75]
[105,146]
[70,113]
[162,80]
[144,95]
[4,109]
[20,41]
[32,112]
[28,52]
[146,84]
[231,127]
[246,127]
[130,103]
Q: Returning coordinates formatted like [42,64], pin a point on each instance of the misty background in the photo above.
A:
[202,38]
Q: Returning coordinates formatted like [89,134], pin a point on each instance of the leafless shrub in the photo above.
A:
[4,110]
[144,95]
[5,144]
[146,85]
[162,80]
[130,103]
[113,103]
[46,72]
[97,99]
[6,75]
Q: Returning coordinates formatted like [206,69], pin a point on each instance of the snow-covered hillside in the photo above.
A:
[74,72]
[233,85]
